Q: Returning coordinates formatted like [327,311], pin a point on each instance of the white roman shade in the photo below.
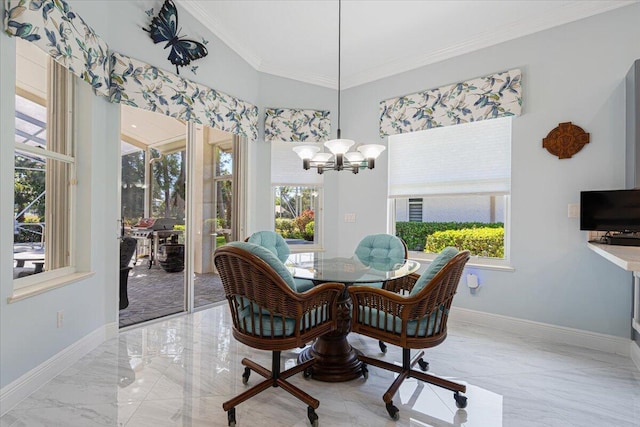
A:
[448,161]
[286,166]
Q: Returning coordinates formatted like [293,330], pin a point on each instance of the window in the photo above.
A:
[297,198]
[168,183]
[44,168]
[455,181]
[415,210]
[224,189]
[228,181]
[133,183]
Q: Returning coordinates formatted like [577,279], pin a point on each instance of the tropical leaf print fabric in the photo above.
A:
[296,125]
[141,85]
[56,29]
[490,97]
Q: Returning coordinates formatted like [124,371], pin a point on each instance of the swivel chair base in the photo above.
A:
[406,371]
[274,378]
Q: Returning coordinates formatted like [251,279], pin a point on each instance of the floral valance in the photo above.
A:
[57,30]
[141,85]
[490,97]
[290,125]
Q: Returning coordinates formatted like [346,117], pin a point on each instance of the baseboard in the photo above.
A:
[16,391]
[635,354]
[553,333]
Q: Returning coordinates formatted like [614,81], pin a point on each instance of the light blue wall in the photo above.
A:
[28,333]
[570,73]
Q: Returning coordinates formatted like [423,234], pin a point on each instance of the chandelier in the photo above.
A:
[339,158]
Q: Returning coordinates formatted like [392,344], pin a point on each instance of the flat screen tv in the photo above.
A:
[610,210]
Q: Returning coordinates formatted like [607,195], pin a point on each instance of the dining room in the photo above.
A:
[540,323]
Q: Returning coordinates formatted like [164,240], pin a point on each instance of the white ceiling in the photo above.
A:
[298,39]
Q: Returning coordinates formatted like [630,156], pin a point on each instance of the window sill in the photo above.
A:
[296,249]
[40,288]
[474,261]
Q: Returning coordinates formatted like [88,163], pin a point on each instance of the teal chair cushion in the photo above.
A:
[426,326]
[303,285]
[270,258]
[436,265]
[381,247]
[278,246]
[377,285]
[282,326]
[272,241]
[381,252]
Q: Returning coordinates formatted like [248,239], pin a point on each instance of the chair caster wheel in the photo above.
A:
[307,373]
[313,417]
[393,411]
[383,347]
[365,371]
[231,417]
[423,365]
[245,376]
[461,401]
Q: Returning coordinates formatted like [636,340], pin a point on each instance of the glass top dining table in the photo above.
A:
[336,359]
[320,268]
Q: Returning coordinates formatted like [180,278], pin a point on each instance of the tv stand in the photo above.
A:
[622,240]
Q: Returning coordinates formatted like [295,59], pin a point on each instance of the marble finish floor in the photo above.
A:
[177,372]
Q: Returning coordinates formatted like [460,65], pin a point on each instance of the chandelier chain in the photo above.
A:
[340,157]
[339,58]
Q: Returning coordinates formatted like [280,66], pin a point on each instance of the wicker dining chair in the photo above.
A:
[414,321]
[381,248]
[268,314]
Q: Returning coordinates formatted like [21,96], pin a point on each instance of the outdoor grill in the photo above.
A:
[150,232]
[146,226]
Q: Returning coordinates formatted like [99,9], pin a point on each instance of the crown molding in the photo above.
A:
[214,25]
[565,14]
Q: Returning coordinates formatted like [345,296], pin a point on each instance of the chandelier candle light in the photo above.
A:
[340,157]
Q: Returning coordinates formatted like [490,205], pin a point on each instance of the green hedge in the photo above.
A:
[415,233]
[288,229]
[486,242]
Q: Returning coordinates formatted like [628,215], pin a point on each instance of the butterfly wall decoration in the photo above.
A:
[164,28]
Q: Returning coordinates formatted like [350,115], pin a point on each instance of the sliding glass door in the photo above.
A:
[181,187]
[216,204]
[154,202]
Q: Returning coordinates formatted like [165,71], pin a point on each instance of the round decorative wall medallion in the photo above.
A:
[565,140]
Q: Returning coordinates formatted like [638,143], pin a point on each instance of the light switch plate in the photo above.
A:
[573,211]
[350,217]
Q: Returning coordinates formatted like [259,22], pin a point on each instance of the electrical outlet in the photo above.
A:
[472,281]
[350,217]
[60,319]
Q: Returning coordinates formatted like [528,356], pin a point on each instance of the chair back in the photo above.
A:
[381,246]
[272,241]
[266,312]
[127,249]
